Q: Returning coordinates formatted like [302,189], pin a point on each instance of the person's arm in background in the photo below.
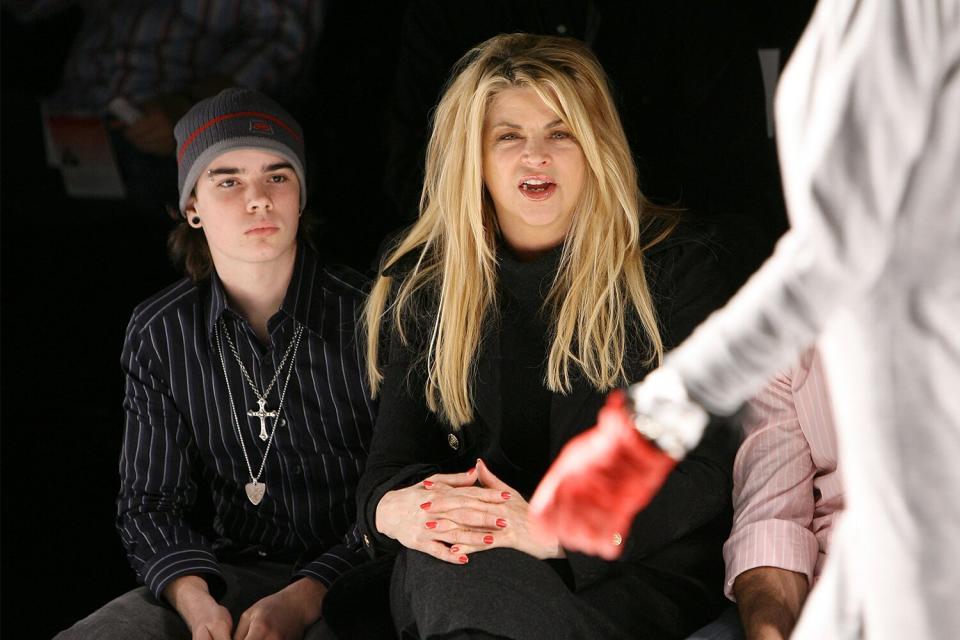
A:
[772,551]
[30,10]
[266,46]
[769,600]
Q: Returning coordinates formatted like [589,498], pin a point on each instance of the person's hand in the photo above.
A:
[284,615]
[666,414]
[598,483]
[205,617]
[512,524]
[153,133]
[443,511]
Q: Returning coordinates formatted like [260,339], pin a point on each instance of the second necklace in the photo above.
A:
[255,489]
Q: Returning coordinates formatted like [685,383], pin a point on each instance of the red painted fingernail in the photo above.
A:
[487,539]
[471,470]
[462,559]
[426,505]
[501,522]
[505,495]
[431,525]
[454,549]
[427,484]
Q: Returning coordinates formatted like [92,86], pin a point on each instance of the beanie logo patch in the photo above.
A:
[261,126]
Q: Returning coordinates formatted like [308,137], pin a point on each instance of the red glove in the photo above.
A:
[601,479]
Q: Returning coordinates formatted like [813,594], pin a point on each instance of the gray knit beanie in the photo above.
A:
[235,119]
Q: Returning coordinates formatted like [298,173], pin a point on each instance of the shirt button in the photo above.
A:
[297,470]
[282,422]
[453,442]
[262,553]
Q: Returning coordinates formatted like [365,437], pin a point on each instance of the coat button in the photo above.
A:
[453,442]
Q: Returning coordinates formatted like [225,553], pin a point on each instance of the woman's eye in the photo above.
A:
[508,136]
[560,135]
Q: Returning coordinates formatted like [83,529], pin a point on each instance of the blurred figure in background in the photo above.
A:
[141,64]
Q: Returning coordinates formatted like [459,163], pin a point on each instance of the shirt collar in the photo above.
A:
[303,300]
[218,302]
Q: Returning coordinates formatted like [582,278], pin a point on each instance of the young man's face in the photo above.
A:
[248,201]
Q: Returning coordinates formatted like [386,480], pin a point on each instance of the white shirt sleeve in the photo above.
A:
[854,116]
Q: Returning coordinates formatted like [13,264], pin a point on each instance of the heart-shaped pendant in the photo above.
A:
[255,491]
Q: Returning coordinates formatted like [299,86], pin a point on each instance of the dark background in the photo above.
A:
[72,270]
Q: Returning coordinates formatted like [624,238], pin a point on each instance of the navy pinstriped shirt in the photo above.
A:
[179,429]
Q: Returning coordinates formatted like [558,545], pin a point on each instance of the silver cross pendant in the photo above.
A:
[263,414]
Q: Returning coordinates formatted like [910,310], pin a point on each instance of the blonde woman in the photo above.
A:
[499,322]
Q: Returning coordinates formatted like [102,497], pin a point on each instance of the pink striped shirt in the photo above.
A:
[786,487]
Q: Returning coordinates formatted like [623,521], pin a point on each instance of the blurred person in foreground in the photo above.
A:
[870,145]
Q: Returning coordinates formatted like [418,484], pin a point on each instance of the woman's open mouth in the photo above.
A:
[537,187]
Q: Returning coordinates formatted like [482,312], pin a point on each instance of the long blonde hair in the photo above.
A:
[600,276]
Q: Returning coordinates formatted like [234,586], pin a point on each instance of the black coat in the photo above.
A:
[675,543]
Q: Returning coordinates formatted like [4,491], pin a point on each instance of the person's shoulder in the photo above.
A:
[695,249]
[690,276]
[181,296]
[690,236]
[317,277]
[345,281]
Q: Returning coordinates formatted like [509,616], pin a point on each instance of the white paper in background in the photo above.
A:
[78,145]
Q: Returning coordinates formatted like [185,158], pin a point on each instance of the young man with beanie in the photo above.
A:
[245,376]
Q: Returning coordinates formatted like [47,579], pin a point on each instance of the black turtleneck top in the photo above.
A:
[525,336]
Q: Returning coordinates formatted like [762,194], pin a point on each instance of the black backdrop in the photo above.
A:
[73,269]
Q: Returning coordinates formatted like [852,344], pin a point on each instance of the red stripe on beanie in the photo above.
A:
[228,116]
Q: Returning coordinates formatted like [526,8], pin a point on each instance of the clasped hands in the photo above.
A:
[450,517]
[284,615]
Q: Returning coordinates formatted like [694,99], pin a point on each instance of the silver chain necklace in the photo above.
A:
[255,489]
[262,411]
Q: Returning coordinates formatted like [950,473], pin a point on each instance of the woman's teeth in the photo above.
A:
[535,185]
